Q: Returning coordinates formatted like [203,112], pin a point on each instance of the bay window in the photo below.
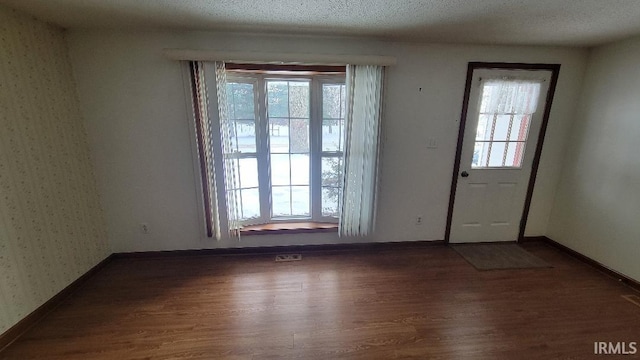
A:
[287,143]
[287,140]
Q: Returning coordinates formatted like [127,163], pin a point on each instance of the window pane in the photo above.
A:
[332,135]
[497,154]
[231,109]
[480,152]
[333,112]
[235,170]
[278,99]
[330,200]
[241,107]
[300,200]
[505,112]
[332,101]
[501,127]
[299,99]
[515,150]
[332,171]
[486,126]
[299,138]
[238,200]
[250,199]
[342,135]
[520,128]
[280,169]
[483,131]
[279,135]
[300,169]
[245,131]
[281,201]
[233,140]
[248,173]
[241,103]
[343,92]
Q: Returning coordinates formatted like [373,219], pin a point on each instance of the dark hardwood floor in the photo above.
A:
[422,303]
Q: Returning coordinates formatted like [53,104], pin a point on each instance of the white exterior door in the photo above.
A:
[504,117]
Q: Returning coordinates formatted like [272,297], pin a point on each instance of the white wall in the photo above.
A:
[597,209]
[137,117]
[51,226]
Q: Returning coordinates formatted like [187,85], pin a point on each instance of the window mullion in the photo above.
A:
[262,136]
[289,152]
[315,139]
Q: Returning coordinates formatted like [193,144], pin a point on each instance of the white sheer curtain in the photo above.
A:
[226,134]
[362,141]
[504,95]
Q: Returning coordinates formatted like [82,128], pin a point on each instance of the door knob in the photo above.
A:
[464,174]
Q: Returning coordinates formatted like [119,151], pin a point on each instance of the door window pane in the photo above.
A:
[501,127]
[514,153]
[485,123]
[505,111]
[480,154]
[520,128]
[496,153]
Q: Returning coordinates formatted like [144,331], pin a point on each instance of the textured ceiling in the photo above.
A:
[530,22]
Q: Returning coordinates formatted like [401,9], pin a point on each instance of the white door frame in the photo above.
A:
[555,69]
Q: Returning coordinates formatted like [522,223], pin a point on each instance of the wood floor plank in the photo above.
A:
[383,304]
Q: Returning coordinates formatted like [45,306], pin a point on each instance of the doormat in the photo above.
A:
[499,256]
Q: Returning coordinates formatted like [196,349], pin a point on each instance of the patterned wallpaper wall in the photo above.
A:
[51,225]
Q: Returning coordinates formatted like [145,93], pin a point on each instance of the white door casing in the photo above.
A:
[496,158]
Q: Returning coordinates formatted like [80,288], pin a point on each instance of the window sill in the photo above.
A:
[289,228]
